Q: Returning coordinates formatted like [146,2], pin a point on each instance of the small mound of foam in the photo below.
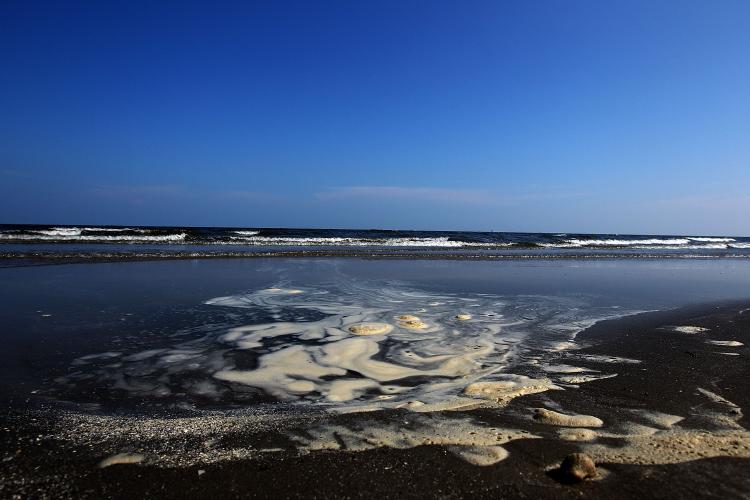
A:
[480,455]
[725,343]
[502,391]
[122,458]
[463,317]
[475,442]
[689,329]
[577,434]
[287,291]
[669,447]
[407,317]
[413,323]
[551,417]
[370,328]
[595,358]
[564,369]
[581,379]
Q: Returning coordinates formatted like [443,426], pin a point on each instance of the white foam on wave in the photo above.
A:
[441,242]
[680,243]
[58,231]
[116,229]
[623,243]
[121,238]
[246,233]
[711,239]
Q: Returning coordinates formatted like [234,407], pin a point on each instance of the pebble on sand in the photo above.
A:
[577,467]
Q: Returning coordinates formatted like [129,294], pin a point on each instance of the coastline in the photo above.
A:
[11,260]
[42,460]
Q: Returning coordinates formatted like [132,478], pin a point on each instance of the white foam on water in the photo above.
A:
[582,379]
[689,329]
[595,358]
[378,345]
[725,343]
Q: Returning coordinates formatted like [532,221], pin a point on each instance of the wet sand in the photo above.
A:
[669,424]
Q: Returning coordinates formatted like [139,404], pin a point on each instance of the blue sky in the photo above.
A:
[588,116]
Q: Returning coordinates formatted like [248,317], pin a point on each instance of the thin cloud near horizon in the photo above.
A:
[407,192]
[444,195]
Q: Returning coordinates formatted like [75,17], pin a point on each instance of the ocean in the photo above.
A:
[146,242]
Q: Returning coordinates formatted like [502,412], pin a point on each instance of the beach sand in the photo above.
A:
[669,424]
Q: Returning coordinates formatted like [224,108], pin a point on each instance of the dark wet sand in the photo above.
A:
[38,462]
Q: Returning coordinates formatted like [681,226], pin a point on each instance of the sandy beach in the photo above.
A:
[656,399]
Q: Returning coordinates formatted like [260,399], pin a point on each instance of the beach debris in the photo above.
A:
[551,417]
[576,467]
[122,458]
[370,328]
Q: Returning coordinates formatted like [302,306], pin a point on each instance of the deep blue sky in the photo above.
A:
[564,115]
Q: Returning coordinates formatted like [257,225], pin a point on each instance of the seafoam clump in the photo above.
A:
[725,343]
[357,346]
[468,439]
[552,417]
[689,329]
